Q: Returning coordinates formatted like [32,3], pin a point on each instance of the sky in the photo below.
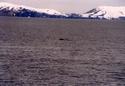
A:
[68,6]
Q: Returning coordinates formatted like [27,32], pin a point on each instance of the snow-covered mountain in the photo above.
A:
[106,12]
[7,9]
[101,12]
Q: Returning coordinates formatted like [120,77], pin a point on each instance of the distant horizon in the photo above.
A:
[67,6]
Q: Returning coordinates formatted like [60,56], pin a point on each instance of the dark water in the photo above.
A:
[52,52]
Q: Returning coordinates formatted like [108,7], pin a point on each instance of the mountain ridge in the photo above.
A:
[8,9]
[17,7]
[106,12]
[101,12]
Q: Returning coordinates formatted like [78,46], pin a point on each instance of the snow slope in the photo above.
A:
[106,12]
[14,7]
[101,12]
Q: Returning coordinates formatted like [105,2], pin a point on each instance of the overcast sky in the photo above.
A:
[78,6]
